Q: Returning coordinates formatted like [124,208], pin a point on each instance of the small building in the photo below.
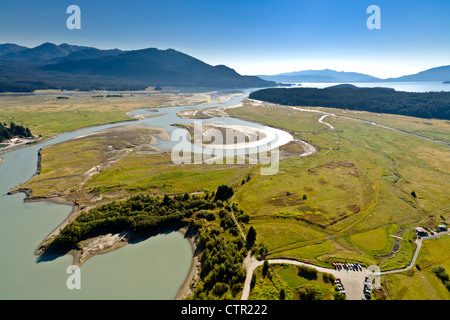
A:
[421,232]
[442,227]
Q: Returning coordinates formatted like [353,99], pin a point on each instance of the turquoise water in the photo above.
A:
[151,269]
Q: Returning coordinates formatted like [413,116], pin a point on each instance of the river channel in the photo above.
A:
[151,269]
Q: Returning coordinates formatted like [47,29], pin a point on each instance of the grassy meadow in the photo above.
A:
[119,163]
[46,115]
[430,128]
[345,202]
[268,286]
[420,283]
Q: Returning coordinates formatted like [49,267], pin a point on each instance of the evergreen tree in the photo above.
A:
[251,237]
[224,193]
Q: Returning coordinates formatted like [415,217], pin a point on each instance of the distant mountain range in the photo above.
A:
[326,75]
[72,67]
[434,74]
[330,76]
[85,68]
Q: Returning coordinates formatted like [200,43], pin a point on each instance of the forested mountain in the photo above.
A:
[44,53]
[381,100]
[159,67]
[90,53]
[85,68]
[8,48]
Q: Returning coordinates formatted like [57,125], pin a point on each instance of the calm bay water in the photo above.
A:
[399,86]
[151,269]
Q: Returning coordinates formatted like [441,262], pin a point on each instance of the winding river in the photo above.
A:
[151,269]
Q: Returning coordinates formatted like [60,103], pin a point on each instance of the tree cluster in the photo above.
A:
[13,130]
[224,193]
[221,254]
[222,274]
[307,272]
[139,213]
[443,276]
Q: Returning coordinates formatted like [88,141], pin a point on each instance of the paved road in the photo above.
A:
[353,281]
[416,254]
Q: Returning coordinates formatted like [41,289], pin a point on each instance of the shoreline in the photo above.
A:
[111,242]
[12,148]
[7,150]
[131,119]
[188,285]
[73,213]
[106,243]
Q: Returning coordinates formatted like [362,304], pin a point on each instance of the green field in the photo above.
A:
[48,116]
[358,189]
[157,174]
[343,203]
[430,128]
[285,277]
[121,162]
[421,284]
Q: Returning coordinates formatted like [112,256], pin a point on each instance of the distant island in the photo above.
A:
[446,82]
[434,105]
[70,67]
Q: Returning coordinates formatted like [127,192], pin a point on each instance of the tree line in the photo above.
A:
[430,105]
[221,250]
[13,130]
[442,275]
[140,213]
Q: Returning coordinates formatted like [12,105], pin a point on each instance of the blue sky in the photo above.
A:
[251,36]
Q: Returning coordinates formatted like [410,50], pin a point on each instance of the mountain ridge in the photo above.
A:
[86,68]
[441,73]
[325,75]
